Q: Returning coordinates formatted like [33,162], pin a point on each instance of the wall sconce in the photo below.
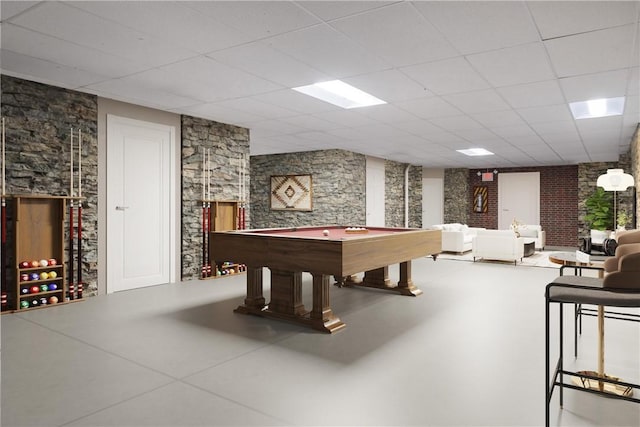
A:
[487,176]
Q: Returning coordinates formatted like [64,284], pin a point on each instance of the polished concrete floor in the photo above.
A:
[468,352]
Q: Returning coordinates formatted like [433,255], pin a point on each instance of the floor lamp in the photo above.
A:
[615,180]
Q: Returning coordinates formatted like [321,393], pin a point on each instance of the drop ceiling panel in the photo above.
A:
[329,10]
[386,113]
[134,88]
[221,114]
[514,65]
[548,113]
[446,77]
[296,101]
[593,52]
[480,26]
[271,64]
[215,80]
[563,18]
[396,33]
[533,94]
[498,119]
[609,84]
[258,19]
[328,51]
[58,51]
[456,123]
[345,118]
[94,32]
[22,66]
[12,8]
[176,22]
[478,101]
[389,85]
[428,108]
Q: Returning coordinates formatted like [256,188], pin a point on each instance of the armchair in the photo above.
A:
[535,232]
[628,243]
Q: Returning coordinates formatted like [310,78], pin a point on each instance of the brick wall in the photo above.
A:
[558,202]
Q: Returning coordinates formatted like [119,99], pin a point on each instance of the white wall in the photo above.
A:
[432,197]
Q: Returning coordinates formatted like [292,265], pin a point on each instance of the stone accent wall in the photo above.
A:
[395,191]
[415,197]
[457,196]
[338,179]
[38,119]
[587,177]
[226,144]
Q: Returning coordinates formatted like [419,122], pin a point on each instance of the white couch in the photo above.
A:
[532,232]
[503,245]
[456,237]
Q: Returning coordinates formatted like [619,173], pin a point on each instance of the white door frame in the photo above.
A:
[375,196]
[174,207]
[528,184]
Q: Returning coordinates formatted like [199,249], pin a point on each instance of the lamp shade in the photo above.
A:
[615,180]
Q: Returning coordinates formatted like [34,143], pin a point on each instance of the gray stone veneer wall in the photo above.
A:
[338,179]
[38,122]
[456,196]
[588,174]
[415,197]
[226,144]
[394,195]
[634,159]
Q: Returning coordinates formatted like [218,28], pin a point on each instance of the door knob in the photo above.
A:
[121,208]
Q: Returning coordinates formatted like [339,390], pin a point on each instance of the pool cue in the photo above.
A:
[72,289]
[80,286]
[209,226]
[3,274]
[204,212]
[244,207]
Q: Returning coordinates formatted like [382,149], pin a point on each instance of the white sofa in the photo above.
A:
[456,237]
[503,245]
[532,232]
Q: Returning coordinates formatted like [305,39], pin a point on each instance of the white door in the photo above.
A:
[432,201]
[518,198]
[375,192]
[139,233]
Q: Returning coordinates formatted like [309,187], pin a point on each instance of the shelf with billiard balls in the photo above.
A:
[41,283]
[229,268]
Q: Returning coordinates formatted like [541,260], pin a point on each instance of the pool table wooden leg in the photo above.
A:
[322,317]
[286,293]
[255,300]
[405,285]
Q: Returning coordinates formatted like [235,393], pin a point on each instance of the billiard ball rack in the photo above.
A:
[38,230]
[219,215]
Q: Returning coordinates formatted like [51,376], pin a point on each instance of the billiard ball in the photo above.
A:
[24,277]
[35,263]
[53,300]
[52,261]
[53,287]
[34,276]
[53,275]
[325,232]
[44,275]
[44,263]
[34,289]
[25,264]
[24,304]
[43,301]
[24,290]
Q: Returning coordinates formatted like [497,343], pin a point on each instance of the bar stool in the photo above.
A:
[619,289]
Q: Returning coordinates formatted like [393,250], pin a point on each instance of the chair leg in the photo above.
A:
[547,382]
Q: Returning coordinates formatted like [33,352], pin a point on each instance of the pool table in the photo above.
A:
[341,253]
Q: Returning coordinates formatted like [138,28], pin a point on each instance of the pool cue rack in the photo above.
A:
[38,232]
[218,215]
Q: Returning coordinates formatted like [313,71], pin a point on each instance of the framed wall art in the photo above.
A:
[480,199]
[291,192]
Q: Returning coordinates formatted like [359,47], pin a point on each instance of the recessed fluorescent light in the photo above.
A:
[475,152]
[339,93]
[594,108]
